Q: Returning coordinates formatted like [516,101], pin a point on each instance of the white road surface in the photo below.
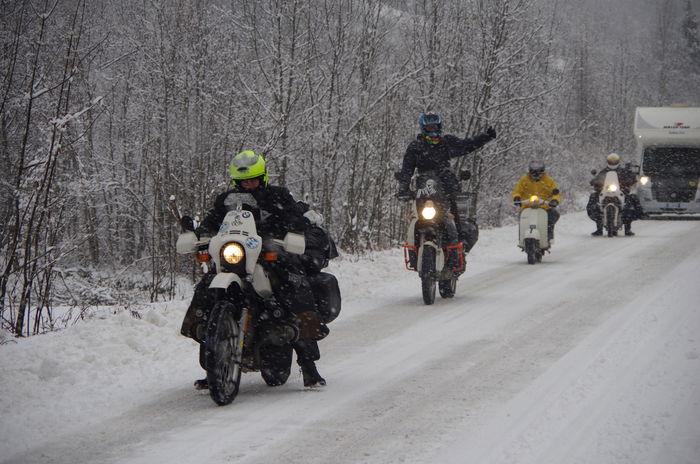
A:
[589,357]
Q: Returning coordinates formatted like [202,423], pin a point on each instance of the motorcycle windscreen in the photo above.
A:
[242,200]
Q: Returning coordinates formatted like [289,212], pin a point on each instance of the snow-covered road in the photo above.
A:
[592,356]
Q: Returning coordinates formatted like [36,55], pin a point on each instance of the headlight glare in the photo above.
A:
[428,212]
[644,180]
[612,188]
[232,253]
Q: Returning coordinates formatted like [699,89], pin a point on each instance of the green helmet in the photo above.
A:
[247,165]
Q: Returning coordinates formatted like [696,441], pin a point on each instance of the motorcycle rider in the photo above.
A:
[279,214]
[631,210]
[538,182]
[432,151]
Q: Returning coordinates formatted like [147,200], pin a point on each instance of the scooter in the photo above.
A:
[533,238]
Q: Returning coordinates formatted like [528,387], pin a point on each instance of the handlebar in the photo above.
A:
[531,203]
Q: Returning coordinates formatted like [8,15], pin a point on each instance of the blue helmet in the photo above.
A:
[430,124]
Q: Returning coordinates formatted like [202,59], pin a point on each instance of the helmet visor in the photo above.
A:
[431,127]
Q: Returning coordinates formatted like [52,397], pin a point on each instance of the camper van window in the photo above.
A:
[672,161]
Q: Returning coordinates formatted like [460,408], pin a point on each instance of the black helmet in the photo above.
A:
[536,169]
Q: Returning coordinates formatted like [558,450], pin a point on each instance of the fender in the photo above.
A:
[224,279]
[439,255]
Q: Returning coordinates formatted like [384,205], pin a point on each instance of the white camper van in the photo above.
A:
[668,146]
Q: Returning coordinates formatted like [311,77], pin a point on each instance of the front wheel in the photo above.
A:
[532,250]
[222,360]
[427,275]
[611,213]
[611,224]
[448,287]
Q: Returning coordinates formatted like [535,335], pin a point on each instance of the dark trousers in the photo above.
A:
[631,210]
[292,291]
[552,218]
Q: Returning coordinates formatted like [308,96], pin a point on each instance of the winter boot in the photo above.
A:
[201,384]
[599,229]
[311,376]
[628,230]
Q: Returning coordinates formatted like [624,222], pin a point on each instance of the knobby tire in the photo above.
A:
[223,367]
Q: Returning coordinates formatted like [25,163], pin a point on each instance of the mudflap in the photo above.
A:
[275,363]
[327,295]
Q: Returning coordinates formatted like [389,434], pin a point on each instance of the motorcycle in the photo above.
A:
[533,238]
[431,232]
[247,330]
[611,200]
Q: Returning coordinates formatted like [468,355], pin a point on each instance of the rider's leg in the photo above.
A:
[552,218]
[307,354]
[630,212]
[595,214]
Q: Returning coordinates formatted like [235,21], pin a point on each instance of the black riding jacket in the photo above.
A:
[279,212]
[626,178]
[422,156]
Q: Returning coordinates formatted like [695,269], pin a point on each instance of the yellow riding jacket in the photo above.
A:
[545,188]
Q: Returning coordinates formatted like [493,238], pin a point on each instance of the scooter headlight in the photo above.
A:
[428,212]
[232,253]
[612,188]
[644,180]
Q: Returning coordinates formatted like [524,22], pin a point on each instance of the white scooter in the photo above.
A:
[533,238]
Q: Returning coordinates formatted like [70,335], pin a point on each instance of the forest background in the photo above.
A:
[109,108]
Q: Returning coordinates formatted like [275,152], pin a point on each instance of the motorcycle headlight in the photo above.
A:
[428,212]
[612,188]
[644,180]
[534,199]
[232,253]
